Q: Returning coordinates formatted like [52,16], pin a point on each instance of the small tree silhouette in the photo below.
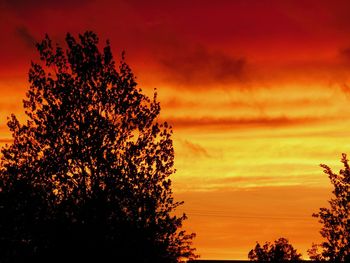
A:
[87,176]
[315,254]
[336,219]
[280,251]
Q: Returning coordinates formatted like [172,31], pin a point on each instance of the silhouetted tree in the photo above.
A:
[280,251]
[315,254]
[88,173]
[336,219]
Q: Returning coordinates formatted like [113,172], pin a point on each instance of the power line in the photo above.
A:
[221,213]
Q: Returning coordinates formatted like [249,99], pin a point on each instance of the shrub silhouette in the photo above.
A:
[280,251]
[87,175]
[336,219]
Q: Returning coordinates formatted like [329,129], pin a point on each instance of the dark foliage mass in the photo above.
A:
[279,251]
[335,219]
[87,175]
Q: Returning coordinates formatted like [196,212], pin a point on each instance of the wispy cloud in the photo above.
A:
[6,140]
[195,149]
[26,36]
[241,122]
[201,66]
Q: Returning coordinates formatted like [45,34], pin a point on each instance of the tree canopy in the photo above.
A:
[87,174]
[279,251]
[336,218]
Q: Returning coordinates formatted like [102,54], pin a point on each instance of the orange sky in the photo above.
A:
[257,92]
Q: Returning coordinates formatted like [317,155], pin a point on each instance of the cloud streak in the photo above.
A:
[209,122]
[195,149]
[26,36]
[6,140]
[201,66]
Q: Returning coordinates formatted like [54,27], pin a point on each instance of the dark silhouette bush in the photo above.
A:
[336,219]
[280,251]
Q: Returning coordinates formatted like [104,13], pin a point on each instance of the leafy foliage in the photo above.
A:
[88,173]
[280,251]
[336,218]
[315,254]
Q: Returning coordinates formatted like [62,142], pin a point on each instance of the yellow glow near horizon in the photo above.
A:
[247,161]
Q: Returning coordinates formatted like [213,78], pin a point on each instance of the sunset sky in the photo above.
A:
[257,92]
